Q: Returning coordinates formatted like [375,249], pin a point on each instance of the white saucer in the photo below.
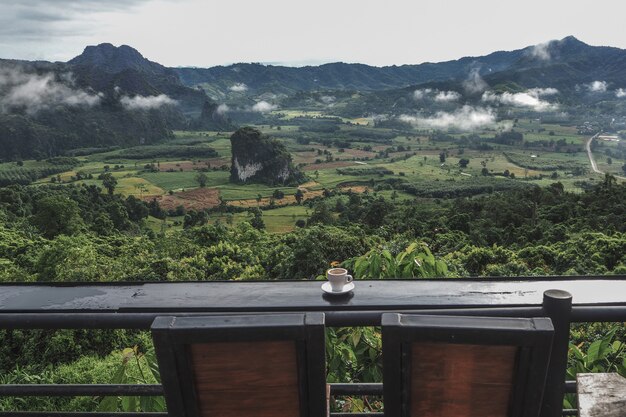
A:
[329,290]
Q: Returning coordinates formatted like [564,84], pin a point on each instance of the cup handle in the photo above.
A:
[349,278]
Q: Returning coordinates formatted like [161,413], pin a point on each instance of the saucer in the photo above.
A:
[346,288]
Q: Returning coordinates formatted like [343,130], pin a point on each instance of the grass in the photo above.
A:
[280,220]
[182,180]
[291,114]
[137,187]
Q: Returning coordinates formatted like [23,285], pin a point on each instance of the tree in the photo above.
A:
[56,215]
[202,179]
[321,214]
[463,162]
[442,157]
[109,182]
[257,219]
[278,194]
[300,195]
[624,168]
[195,218]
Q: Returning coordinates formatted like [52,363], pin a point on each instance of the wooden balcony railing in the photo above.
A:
[135,305]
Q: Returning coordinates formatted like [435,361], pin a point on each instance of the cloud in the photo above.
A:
[543,92]
[146,102]
[465,118]
[222,109]
[36,92]
[263,107]
[474,83]
[541,51]
[529,99]
[597,86]
[421,94]
[239,87]
[33,20]
[446,96]
[441,96]
[621,93]
[328,99]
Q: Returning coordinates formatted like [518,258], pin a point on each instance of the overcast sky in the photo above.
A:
[383,32]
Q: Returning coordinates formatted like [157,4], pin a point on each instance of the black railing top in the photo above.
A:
[268,296]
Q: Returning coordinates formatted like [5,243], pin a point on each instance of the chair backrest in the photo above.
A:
[245,365]
[441,366]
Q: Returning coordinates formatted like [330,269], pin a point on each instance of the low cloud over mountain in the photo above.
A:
[32,93]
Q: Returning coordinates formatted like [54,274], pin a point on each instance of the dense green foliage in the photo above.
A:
[67,233]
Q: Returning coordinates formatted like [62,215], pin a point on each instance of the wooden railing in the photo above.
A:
[135,305]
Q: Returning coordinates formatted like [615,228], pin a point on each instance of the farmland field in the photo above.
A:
[355,155]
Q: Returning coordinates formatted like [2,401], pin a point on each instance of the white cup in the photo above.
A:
[338,278]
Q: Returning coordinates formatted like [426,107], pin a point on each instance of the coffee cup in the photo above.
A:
[338,278]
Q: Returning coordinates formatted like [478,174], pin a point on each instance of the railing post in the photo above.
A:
[557,305]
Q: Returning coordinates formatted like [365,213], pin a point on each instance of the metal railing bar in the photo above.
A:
[78,414]
[148,390]
[111,320]
[356,389]
[77,390]
[593,314]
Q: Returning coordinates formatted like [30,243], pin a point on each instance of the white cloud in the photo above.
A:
[441,96]
[263,107]
[146,102]
[621,93]
[529,99]
[222,109]
[445,96]
[597,86]
[541,51]
[465,118]
[239,87]
[421,94]
[474,83]
[543,92]
[35,92]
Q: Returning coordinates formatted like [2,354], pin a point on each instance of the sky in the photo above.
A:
[206,33]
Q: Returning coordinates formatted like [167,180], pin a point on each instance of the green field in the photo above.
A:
[356,156]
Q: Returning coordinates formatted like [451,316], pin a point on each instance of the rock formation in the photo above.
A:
[257,158]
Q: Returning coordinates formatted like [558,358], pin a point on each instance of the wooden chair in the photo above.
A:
[266,365]
[444,366]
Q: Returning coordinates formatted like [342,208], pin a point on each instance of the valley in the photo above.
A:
[404,164]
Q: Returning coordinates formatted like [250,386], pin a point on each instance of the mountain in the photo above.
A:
[105,96]
[258,158]
[562,64]
[105,68]
[570,63]
[259,79]
[110,59]
[114,96]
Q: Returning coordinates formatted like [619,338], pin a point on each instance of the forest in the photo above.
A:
[58,233]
